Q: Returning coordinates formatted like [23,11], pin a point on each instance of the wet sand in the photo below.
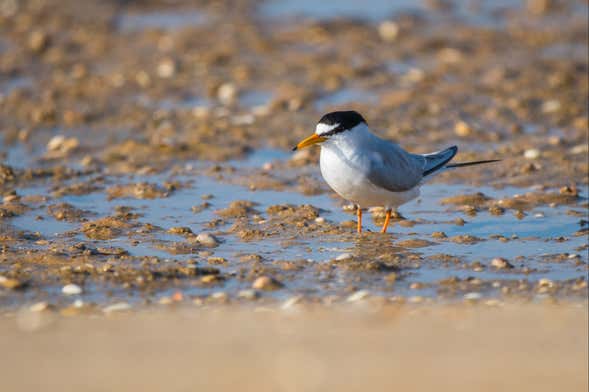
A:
[524,347]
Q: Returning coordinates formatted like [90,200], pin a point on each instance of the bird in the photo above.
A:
[370,171]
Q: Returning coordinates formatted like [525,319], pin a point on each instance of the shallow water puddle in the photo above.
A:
[168,20]
[485,13]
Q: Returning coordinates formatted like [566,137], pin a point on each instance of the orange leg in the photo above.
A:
[387,219]
[359,213]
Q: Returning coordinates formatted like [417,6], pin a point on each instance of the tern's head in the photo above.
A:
[332,124]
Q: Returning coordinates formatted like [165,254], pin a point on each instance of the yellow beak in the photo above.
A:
[313,139]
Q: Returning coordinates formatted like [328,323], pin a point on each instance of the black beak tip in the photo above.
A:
[295,148]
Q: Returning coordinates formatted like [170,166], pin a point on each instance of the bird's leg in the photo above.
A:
[359,214]
[387,219]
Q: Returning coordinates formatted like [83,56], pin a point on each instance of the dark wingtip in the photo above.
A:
[462,164]
[295,148]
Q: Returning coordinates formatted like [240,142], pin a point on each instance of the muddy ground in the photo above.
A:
[145,152]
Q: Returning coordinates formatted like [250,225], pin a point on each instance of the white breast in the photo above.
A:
[344,173]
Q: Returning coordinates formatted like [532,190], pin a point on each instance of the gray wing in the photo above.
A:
[392,168]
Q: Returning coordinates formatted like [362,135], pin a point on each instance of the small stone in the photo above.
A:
[579,149]
[388,31]
[459,222]
[266,283]
[39,306]
[208,279]
[166,68]
[248,294]
[227,93]
[496,210]
[544,282]
[71,289]
[61,145]
[439,234]
[220,296]
[344,256]
[180,230]
[9,283]
[38,41]
[462,129]
[320,220]
[117,307]
[416,286]
[501,263]
[391,278]
[291,302]
[532,153]
[551,106]
[208,240]
[473,296]
[178,296]
[358,296]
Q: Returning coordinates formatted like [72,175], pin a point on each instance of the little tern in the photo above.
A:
[370,171]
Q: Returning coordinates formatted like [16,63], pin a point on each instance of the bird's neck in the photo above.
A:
[349,141]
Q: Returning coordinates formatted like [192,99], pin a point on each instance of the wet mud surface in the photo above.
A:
[145,152]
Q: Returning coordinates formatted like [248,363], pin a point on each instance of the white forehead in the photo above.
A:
[324,128]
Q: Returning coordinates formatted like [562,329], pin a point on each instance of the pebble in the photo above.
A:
[71,289]
[292,301]
[501,263]
[320,220]
[461,128]
[61,144]
[358,296]
[266,283]
[551,106]
[117,307]
[532,153]
[9,283]
[207,239]
[545,282]
[248,294]
[38,41]
[439,234]
[388,31]
[220,296]
[209,279]
[474,296]
[39,306]
[166,68]
[579,149]
[227,93]
[344,256]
